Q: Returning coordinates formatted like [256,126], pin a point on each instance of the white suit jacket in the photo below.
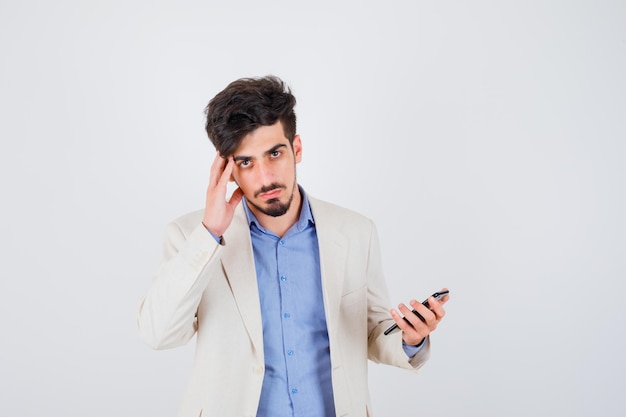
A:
[210,290]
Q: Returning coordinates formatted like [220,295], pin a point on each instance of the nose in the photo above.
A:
[264,172]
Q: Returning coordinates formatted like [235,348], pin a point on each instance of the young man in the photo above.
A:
[285,293]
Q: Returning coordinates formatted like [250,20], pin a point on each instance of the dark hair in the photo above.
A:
[245,105]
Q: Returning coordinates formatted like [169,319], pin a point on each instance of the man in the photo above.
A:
[284,292]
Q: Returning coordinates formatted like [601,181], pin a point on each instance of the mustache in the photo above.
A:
[268,188]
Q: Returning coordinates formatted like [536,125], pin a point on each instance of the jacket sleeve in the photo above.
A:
[385,349]
[167,313]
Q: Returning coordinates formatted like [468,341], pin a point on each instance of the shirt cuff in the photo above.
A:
[410,350]
[219,240]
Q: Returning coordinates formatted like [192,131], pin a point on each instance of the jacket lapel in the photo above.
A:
[238,263]
[333,252]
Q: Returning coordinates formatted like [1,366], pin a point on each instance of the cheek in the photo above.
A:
[243,181]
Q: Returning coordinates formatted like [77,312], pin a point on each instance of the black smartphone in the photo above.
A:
[436,296]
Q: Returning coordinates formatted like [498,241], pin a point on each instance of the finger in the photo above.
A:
[410,334]
[445,298]
[228,170]
[235,198]
[216,169]
[436,306]
[402,324]
[415,320]
[422,317]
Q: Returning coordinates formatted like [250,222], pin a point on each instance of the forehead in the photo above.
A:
[261,140]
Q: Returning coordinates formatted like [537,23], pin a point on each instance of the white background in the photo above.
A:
[487,140]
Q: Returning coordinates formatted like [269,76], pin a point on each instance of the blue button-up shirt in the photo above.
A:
[297,380]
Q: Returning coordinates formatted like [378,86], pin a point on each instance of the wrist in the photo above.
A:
[218,237]
[412,344]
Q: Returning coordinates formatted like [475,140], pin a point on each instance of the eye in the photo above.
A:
[244,163]
[275,154]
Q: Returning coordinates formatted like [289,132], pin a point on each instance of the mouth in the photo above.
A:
[271,194]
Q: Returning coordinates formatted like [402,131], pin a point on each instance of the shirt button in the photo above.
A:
[282,243]
[290,353]
[294,391]
[287,315]
[283,278]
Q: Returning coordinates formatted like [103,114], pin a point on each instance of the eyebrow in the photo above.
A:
[269,151]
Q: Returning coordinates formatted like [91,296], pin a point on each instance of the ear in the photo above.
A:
[297,148]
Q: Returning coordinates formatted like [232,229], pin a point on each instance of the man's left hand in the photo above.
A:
[414,333]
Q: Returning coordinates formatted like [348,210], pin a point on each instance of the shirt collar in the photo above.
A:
[306,215]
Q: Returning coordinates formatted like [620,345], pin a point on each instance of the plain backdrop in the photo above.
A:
[486,139]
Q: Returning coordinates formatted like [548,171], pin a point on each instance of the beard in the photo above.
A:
[273,207]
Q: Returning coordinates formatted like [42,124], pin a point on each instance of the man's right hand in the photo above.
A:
[218,213]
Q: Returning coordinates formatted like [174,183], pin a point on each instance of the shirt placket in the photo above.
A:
[288,321]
